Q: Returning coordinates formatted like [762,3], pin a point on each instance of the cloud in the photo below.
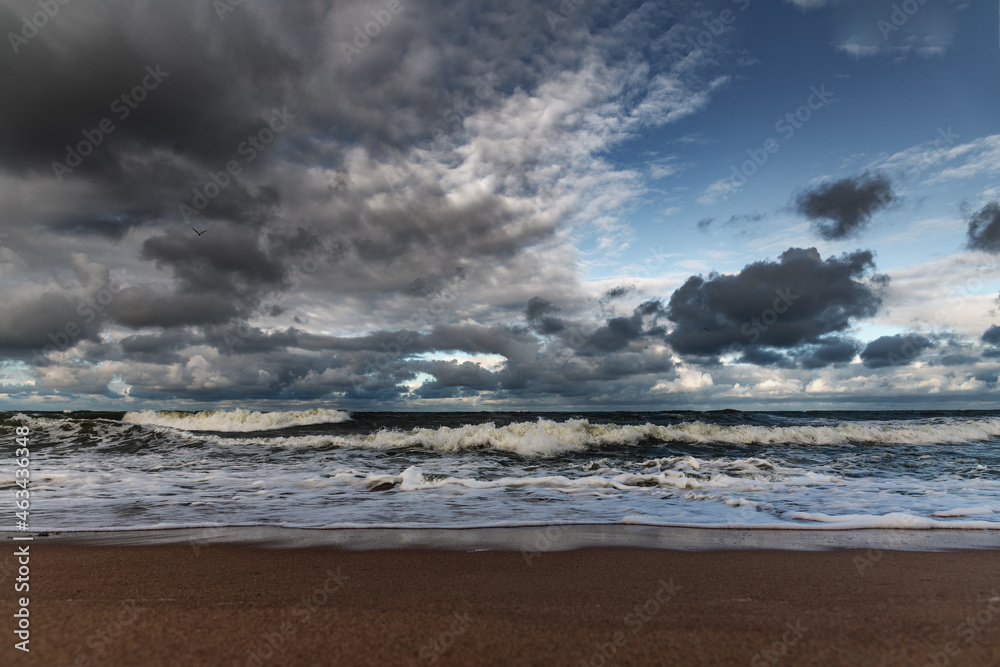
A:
[718,191]
[848,204]
[538,313]
[417,182]
[618,332]
[419,232]
[785,312]
[984,228]
[830,351]
[897,350]
[870,30]
[992,335]
[618,292]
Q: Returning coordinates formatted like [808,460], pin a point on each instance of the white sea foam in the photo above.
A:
[893,520]
[238,420]
[966,511]
[547,438]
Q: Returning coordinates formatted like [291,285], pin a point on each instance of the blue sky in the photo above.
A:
[510,205]
[883,104]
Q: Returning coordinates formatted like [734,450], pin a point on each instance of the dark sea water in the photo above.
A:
[328,468]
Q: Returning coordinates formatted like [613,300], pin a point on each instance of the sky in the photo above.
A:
[575,205]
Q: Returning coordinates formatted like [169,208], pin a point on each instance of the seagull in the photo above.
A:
[706,328]
[197,232]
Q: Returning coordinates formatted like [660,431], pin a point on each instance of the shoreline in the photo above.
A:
[536,539]
[253,606]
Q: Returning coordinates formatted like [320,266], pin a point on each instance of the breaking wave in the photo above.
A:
[238,420]
[546,438]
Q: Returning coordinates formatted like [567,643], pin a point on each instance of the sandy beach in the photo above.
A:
[233,604]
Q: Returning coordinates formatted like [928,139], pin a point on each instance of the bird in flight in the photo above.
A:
[706,328]
[197,232]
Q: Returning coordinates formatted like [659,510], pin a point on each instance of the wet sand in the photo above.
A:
[241,604]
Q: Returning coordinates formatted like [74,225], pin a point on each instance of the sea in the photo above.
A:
[327,468]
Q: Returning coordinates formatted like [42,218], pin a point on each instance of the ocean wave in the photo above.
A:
[238,420]
[547,438]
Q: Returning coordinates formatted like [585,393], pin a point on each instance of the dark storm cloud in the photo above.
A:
[613,336]
[303,365]
[226,259]
[992,335]
[800,300]
[992,339]
[761,356]
[984,228]
[898,350]
[953,350]
[453,379]
[498,339]
[51,321]
[40,319]
[213,81]
[311,229]
[539,315]
[618,332]
[990,378]
[842,208]
[144,306]
[826,352]
[607,301]
[216,84]
[155,343]
[618,292]
[537,307]
[830,351]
